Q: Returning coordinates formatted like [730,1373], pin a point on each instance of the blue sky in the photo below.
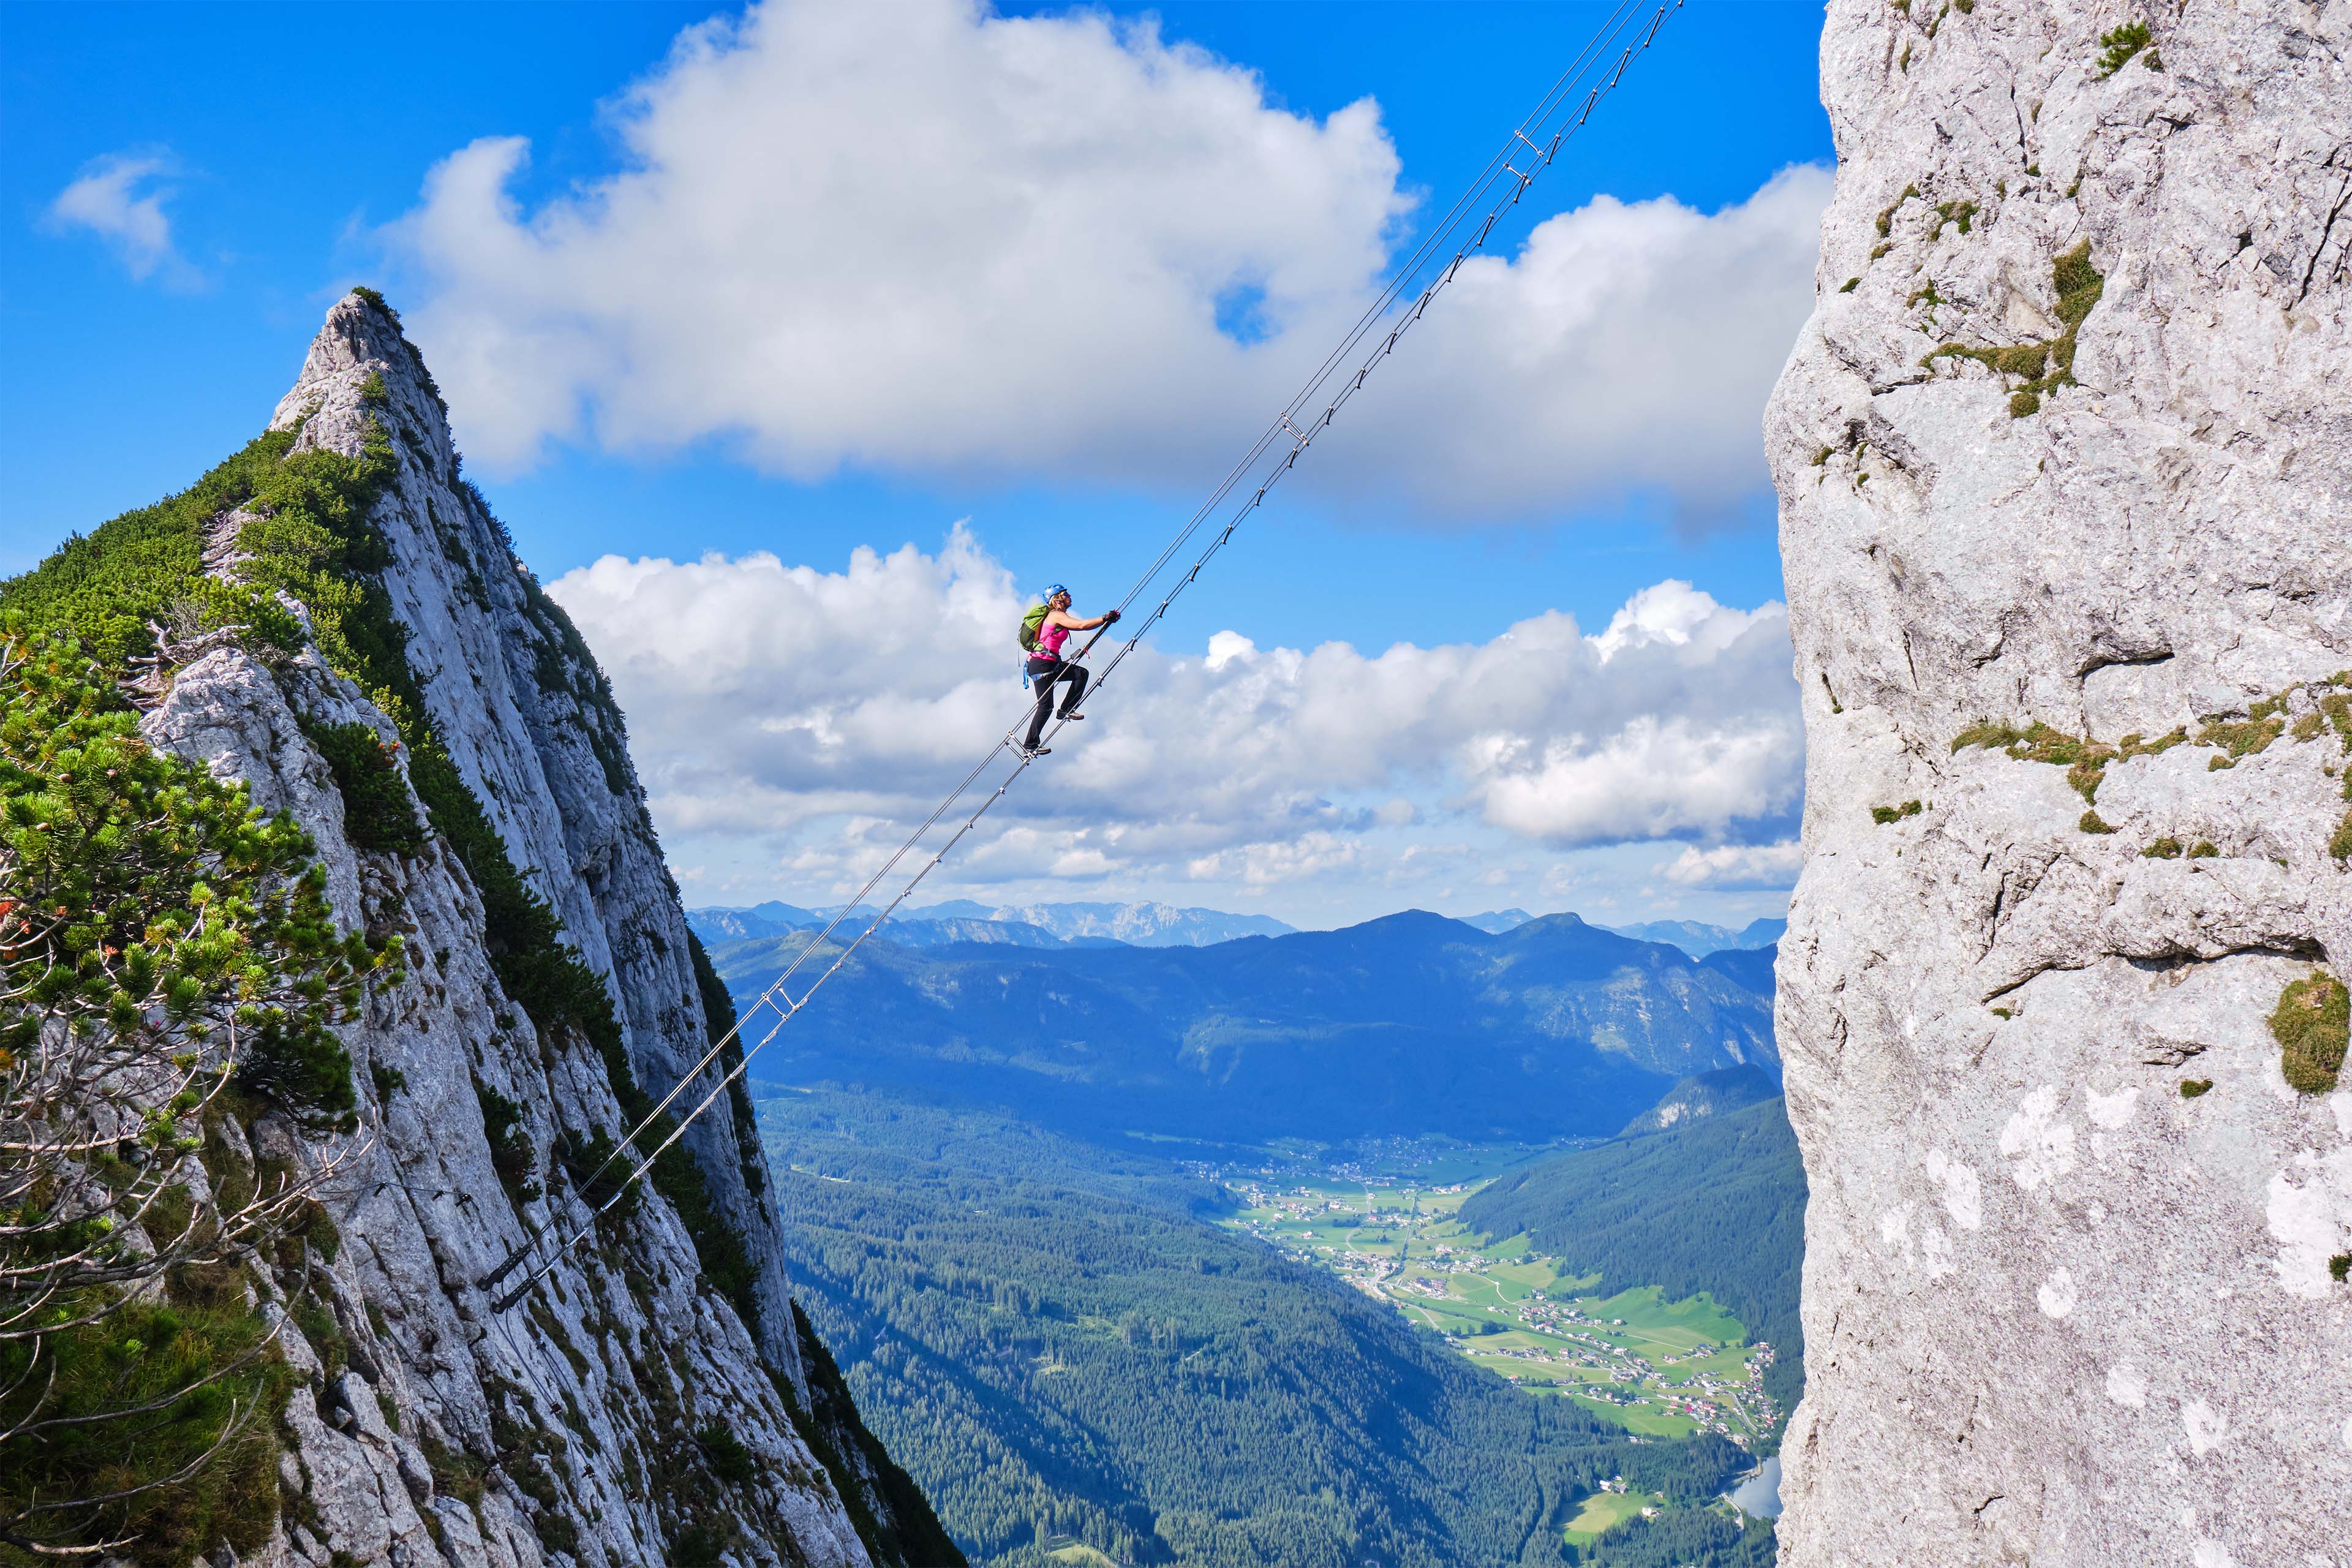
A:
[290,151]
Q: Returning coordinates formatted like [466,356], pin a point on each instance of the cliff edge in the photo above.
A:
[440,731]
[2064,458]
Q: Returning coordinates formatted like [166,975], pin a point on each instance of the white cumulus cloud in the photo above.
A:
[119,199]
[913,235]
[1726,867]
[902,232]
[832,709]
[1627,346]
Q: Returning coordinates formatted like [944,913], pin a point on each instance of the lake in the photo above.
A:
[1759,1494]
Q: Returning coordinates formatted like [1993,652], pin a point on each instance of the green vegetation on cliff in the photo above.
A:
[300,522]
[2309,1024]
[168,966]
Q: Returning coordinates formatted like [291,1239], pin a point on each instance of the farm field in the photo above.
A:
[1604,1511]
[1391,1228]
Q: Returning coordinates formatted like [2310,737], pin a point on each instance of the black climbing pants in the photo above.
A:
[1043,674]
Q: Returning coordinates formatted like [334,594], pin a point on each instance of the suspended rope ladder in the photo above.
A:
[1627,33]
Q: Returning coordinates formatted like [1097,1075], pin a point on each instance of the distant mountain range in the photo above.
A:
[772,919]
[1020,925]
[1154,925]
[1137,925]
[1691,936]
[1698,940]
[1409,1024]
[1495,922]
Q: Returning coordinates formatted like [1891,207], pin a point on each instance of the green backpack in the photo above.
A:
[1030,625]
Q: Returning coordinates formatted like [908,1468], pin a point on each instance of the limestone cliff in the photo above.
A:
[2064,458]
[654,1401]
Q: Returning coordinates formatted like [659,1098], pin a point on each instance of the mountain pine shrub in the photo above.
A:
[378,811]
[512,1155]
[167,958]
[2119,44]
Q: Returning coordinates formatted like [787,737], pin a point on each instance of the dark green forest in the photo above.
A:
[1056,1343]
[1715,1205]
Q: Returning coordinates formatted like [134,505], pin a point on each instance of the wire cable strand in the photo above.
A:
[1537,142]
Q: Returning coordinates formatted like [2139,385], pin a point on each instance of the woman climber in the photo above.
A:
[1042,632]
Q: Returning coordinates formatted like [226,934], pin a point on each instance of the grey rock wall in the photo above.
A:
[574,1428]
[2055,1310]
[531,724]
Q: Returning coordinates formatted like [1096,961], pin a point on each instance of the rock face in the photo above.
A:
[580,1425]
[2061,1304]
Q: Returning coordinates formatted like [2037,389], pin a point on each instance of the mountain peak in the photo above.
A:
[1495,922]
[553,991]
[361,363]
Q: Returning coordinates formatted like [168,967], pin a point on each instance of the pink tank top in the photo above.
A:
[1050,638]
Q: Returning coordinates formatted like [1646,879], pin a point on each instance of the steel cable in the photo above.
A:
[1540,141]
[1610,28]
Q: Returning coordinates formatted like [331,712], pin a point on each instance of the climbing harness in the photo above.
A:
[1534,141]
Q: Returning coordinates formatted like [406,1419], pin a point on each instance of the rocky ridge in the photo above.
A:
[2065,456]
[628,1412]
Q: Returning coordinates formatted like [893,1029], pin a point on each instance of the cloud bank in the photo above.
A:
[823,713]
[914,235]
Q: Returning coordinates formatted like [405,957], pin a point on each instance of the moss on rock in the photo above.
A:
[2309,1025]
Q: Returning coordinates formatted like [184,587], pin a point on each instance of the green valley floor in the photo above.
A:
[1661,1368]
[1083,1357]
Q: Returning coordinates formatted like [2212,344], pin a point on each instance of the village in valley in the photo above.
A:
[1657,1368]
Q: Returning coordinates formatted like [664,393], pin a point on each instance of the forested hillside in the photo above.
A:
[1061,1351]
[1702,1095]
[1408,1024]
[1716,1204]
